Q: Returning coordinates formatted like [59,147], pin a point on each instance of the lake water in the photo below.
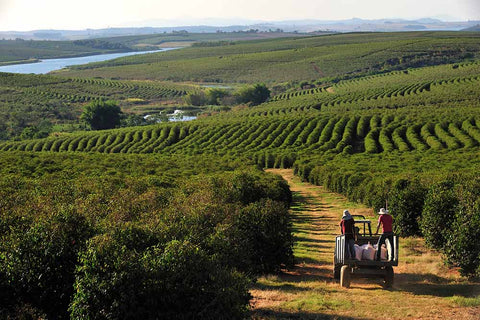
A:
[216,86]
[182,119]
[47,65]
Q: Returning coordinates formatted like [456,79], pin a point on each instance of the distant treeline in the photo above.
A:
[213,43]
[101,44]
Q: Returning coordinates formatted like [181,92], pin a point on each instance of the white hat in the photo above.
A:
[383,211]
[346,215]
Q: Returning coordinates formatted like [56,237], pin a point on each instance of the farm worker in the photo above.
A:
[386,221]
[347,225]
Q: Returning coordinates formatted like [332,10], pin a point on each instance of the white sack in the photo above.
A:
[368,253]
[358,252]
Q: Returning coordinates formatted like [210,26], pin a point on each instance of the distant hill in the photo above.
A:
[474,28]
[254,62]
[225,25]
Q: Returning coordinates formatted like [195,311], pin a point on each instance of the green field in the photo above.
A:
[36,100]
[25,51]
[18,51]
[380,118]
[398,111]
[298,59]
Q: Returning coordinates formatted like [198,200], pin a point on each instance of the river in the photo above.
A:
[47,65]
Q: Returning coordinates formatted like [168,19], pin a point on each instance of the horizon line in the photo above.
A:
[246,22]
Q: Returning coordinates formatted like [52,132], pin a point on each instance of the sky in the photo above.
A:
[23,15]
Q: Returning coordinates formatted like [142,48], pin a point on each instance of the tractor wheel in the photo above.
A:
[345,277]
[388,281]
[336,271]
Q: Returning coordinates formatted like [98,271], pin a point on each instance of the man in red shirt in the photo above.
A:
[386,221]
[347,225]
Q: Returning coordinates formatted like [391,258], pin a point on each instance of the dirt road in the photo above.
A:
[423,289]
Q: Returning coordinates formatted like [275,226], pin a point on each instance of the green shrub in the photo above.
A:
[100,115]
[376,194]
[175,281]
[254,94]
[257,239]
[240,217]
[463,248]
[128,211]
[406,202]
[353,183]
[438,213]
[8,299]
[269,160]
[371,145]
[38,260]
[242,186]
[196,98]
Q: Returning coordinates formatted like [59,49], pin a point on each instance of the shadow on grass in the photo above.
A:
[309,243]
[433,285]
[305,239]
[316,231]
[309,260]
[329,230]
[286,287]
[308,226]
[300,200]
[308,221]
[307,274]
[282,315]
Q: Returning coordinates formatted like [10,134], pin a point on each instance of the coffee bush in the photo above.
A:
[438,213]
[177,280]
[38,260]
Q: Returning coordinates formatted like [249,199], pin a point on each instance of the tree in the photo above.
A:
[33,132]
[195,99]
[102,115]
[214,95]
[256,94]
[42,130]
[133,120]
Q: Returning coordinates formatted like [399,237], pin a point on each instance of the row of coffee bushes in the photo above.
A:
[433,202]
[116,247]
[274,159]
[451,221]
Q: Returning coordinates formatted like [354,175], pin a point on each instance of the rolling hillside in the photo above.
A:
[138,220]
[276,61]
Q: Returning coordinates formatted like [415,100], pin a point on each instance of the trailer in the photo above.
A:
[344,269]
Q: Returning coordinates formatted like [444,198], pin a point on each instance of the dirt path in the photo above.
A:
[424,288]
[317,69]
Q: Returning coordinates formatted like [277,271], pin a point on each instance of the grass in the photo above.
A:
[317,301]
[465,301]
[20,51]
[287,59]
[424,287]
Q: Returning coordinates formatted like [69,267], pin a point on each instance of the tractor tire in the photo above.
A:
[345,277]
[336,271]
[388,280]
